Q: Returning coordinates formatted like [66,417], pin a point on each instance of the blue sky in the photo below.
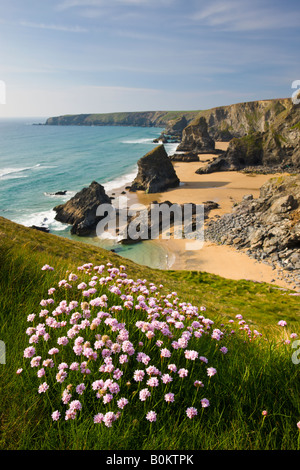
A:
[94,56]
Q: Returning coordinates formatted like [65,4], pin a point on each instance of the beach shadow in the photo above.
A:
[202,184]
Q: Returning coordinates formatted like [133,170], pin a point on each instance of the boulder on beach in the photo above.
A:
[80,210]
[155,172]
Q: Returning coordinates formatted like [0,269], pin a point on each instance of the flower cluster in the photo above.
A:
[124,344]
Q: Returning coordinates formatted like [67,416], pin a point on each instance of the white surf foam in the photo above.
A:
[120,181]
[138,141]
[44,219]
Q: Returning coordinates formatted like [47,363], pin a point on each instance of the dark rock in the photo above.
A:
[184,157]
[153,228]
[80,210]
[41,229]
[196,139]
[155,172]
[269,226]
[60,193]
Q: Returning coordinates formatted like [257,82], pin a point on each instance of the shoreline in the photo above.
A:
[225,188]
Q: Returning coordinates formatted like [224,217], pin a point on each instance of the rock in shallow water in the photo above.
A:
[80,210]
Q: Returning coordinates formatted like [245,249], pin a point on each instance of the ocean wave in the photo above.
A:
[138,141]
[10,173]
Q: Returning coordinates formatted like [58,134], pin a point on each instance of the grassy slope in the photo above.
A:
[254,379]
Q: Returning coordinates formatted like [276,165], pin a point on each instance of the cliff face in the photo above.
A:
[276,148]
[238,120]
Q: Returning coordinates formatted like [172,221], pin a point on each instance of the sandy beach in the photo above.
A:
[225,188]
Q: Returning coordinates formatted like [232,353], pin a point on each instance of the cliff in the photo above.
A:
[237,120]
[138,119]
[277,147]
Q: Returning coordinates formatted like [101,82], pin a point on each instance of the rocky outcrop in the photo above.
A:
[147,231]
[197,139]
[173,130]
[267,227]
[80,210]
[276,149]
[237,120]
[155,172]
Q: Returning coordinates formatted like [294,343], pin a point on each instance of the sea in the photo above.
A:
[37,161]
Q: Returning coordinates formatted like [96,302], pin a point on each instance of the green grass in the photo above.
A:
[252,377]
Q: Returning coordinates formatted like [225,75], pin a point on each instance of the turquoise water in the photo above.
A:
[37,161]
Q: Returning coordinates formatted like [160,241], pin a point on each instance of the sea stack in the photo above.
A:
[80,210]
[155,172]
[196,139]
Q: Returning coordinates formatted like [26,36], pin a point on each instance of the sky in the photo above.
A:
[98,56]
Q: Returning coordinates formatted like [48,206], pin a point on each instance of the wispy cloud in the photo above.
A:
[67,4]
[245,16]
[54,27]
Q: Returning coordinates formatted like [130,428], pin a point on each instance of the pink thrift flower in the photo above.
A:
[53,351]
[107,398]
[203,359]
[198,383]
[264,413]
[138,375]
[144,394]
[191,412]
[80,389]
[224,350]
[43,388]
[62,341]
[183,373]
[41,372]
[169,397]
[98,418]
[55,415]
[70,414]
[205,403]
[75,405]
[153,382]
[151,416]
[192,355]
[282,323]
[165,353]
[29,352]
[19,371]
[109,418]
[35,361]
[211,371]
[122,403]
[166,378]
